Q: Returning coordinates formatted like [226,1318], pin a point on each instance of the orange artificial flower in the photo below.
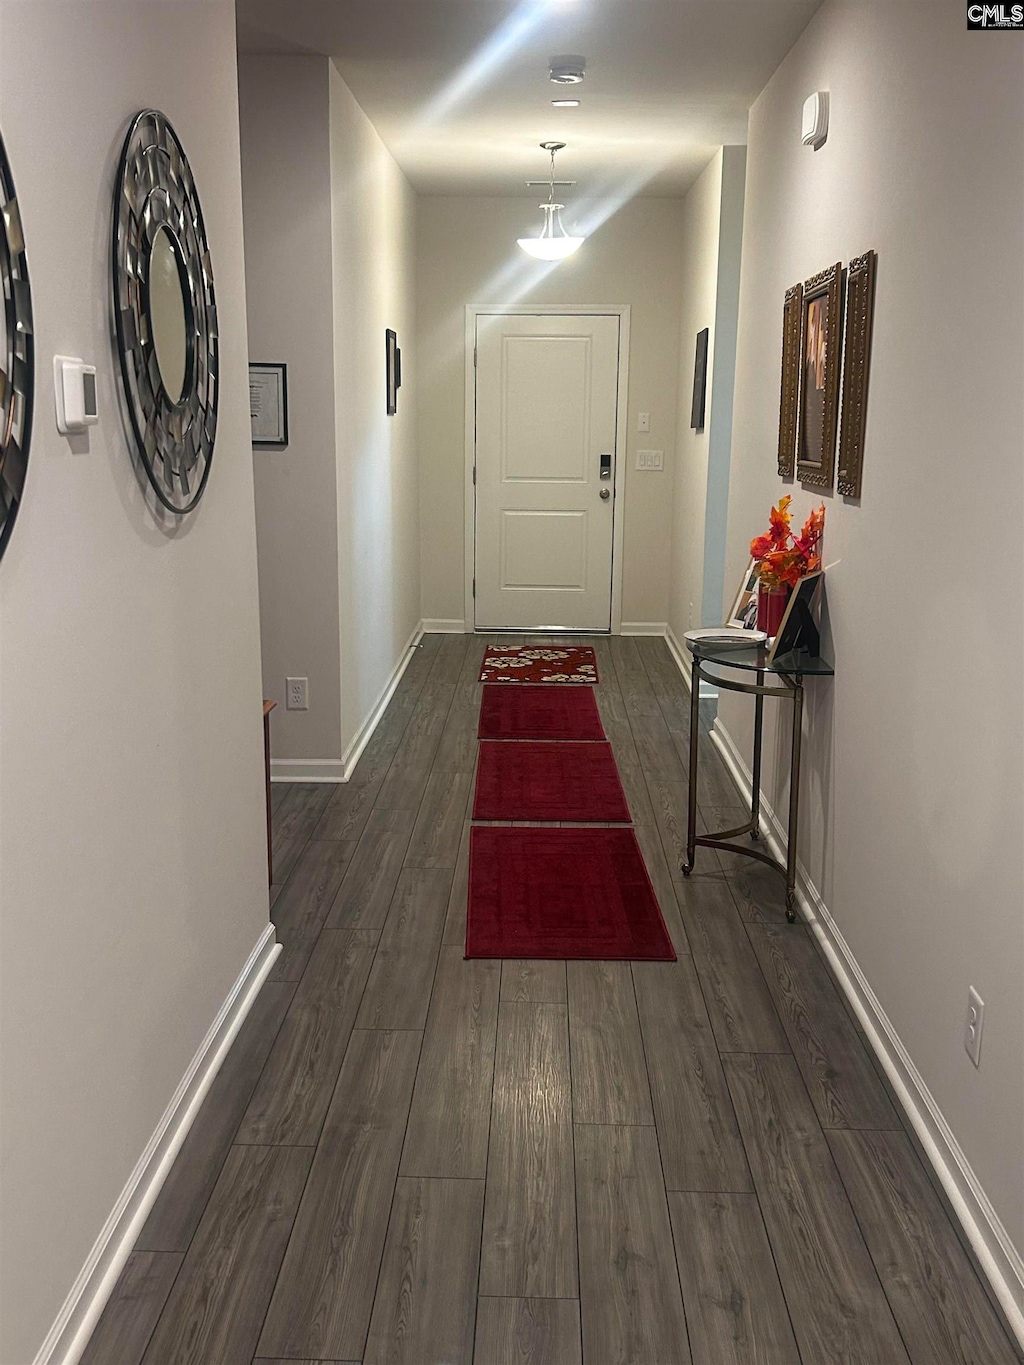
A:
[778,522]
[782,558]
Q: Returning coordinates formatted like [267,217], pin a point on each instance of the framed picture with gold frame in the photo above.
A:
[821,331]
[860,306]
[789,404]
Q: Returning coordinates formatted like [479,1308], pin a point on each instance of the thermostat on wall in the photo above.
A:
[74,385]
[814,130]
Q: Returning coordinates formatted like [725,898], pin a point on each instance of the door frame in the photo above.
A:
[621,311]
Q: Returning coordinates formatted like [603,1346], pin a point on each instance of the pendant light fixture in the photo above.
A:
[554,243]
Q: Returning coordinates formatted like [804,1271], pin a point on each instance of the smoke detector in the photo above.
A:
[568,70]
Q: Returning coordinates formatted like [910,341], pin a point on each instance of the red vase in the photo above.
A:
[771,608]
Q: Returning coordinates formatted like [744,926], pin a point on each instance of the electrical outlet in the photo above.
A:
[297,694]
[975,1023]
[650,459]
[643,421]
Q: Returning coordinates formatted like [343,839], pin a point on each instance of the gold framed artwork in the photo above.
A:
[820,340]
[860,306]
[792,311]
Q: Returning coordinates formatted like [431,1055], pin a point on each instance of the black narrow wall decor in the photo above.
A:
[700,380]
[393,358]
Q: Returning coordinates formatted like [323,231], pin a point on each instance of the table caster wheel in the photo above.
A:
[687,869]
[790,909]
[755,834]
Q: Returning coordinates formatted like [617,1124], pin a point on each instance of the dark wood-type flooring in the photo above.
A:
[414,1159]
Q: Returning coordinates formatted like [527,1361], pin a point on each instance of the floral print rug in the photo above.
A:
[539,664]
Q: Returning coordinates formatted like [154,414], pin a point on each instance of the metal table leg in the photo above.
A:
[755,793]
[794,799]
[691,795]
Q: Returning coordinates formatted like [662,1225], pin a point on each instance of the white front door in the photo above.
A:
[546,408]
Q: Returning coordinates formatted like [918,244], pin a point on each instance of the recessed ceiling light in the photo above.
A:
[567,70]
[566,104]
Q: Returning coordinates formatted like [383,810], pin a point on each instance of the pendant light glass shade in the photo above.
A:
[554,243]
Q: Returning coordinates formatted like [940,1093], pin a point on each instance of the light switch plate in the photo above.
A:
[650,459]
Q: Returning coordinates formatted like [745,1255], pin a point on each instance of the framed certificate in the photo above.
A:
[268,404]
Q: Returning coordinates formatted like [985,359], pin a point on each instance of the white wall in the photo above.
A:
[915,753]
[467,253]
[329,233]
[132,839]
[286,198]
[711,240]
[699,238]
[378,471]
[722,390]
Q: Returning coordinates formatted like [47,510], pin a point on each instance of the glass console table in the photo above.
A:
[785,674]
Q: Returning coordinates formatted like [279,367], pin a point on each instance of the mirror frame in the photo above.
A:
[174,440]
[17,362]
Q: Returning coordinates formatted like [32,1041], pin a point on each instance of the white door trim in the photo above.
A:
[621,311]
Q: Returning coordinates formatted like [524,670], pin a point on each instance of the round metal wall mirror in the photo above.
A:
[165,313]
[17,361]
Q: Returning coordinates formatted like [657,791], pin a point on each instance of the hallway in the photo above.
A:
[409,1157]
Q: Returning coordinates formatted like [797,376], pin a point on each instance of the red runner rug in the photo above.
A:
[539,664]
[540,781]
[562,893]
[539,713]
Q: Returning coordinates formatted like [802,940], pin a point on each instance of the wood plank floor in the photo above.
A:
[415,1159]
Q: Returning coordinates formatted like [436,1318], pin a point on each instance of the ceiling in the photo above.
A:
[459,89]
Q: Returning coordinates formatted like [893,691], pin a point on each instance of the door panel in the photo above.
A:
[546,407]
[548,436]
[544,550]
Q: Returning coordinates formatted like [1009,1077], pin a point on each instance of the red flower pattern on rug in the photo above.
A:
[539,664]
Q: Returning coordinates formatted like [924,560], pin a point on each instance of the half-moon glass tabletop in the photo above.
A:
[754,659]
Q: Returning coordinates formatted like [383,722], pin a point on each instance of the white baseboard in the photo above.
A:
[307,770]
[657,628]
[998,1258]
[341,769]
[363,735]
[681,656]
[440,627]
[76,1320]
